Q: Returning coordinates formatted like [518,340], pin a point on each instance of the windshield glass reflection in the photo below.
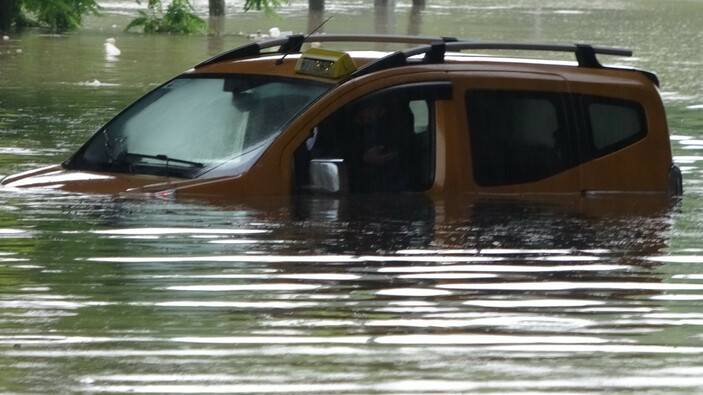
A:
[192,125]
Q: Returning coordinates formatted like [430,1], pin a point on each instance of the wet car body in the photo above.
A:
[475,125]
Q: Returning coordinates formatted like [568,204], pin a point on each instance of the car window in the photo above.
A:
[421,115]
[386,143]
[517,136]
[613,123]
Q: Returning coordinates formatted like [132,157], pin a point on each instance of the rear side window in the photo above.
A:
[517,136]
[613,123]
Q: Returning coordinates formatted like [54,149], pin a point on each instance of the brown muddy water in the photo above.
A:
[386,294]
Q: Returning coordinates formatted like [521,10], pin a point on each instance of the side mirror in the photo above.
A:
[328,176]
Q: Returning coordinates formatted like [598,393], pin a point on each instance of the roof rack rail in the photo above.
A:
[246,51]
[293,43]
[378,38]
[434,53]
[434,49]
[585,54]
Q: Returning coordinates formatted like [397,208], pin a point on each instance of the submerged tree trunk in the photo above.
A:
[215,37]
[217,7]
[316,5]
[415,22]
[316,14]
[384,16]
[8,9]
[315,19]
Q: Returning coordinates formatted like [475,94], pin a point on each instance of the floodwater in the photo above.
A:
[386,294]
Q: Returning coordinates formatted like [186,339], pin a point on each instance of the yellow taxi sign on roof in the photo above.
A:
[325,63]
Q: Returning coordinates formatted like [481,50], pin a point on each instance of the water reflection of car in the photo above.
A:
[270,119]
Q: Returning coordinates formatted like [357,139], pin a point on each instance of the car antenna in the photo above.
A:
[280,61]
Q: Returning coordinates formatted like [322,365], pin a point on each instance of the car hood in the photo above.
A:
[56,177]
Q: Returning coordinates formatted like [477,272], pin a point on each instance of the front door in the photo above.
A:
[380,142]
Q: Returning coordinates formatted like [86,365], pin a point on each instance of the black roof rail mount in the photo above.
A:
[436,53]
[293,45]
[586,56]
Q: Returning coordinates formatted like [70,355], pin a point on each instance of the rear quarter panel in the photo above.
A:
[642,166]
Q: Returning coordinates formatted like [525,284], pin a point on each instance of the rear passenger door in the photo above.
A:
[519,132]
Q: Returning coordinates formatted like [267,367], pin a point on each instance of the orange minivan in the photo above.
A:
[270,118]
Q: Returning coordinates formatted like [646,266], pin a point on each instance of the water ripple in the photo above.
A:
[245,287]
[178,231]
[275,340]
[228,304]
[532,303]
[412,292]
[500,268]
[467,339]
[562,285]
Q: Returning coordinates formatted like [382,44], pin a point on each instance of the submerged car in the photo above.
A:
[268,118]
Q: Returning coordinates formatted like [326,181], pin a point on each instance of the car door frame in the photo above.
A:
[300,130]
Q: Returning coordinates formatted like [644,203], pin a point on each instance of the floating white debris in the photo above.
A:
[91,83]
[257,36]
[111,50]
[110,47]
[695,107]
[96,84]
[275,32]
[5,38]
[18,50]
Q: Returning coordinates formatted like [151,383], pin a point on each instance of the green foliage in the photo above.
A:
[149,22]
[57,15]
[268,6]
[178,18]
[181,19]
[60,15]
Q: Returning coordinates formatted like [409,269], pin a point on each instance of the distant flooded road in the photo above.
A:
[378,294]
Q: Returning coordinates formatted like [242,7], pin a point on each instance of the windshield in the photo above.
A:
[193,126]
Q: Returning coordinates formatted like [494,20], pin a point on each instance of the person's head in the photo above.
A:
[369,111]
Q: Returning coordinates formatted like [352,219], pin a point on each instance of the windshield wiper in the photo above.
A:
[111,148]
[163,158]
